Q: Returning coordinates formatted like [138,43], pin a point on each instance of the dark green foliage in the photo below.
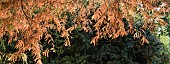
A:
[118,51]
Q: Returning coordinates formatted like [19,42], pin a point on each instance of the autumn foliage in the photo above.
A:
[27,21]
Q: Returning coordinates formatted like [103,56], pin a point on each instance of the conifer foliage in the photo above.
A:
[27,21]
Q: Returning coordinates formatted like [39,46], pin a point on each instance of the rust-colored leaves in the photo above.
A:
[144,40]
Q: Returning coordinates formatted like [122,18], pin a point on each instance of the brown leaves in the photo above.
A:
[45,53]
[67,42]
[95,40]
[137,35]
[58,25]
[5,14]
[49,39]
[96,16]
[15,57]
[20,44]
[64,34]
[144,40]
[162,22]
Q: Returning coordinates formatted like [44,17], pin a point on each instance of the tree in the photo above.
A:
[27,21]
